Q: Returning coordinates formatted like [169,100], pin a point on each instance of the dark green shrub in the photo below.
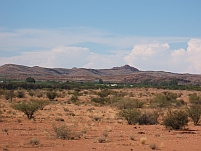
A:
[149,118]
[30,79]
[20,94]
[176,119]
[131,115]
[51,95]
[194,112]
[28,108]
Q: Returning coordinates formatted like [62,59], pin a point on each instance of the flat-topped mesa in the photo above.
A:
[126,67]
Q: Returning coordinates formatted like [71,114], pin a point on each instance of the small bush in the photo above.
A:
[194,113]
[194,98]
[34,141]
[28,108]
[63,132]
[100,100]
[131,115]
[105,92]
[74,98]
[132,137]
[165,99]
[153,146]
[9,95]
[176,119]
[20,94]
[149,118]
[101,139]
[31,93]
[143,140]
[127,103]
[51,95]
[41,103]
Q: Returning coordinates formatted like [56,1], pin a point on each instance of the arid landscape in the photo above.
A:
[100,75]
[123,74]
[74,120]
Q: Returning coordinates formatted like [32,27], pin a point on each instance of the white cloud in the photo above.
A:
[148,56]
[161,57]
[105,61]
[57,57]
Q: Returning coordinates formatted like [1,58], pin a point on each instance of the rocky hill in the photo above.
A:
[125,74]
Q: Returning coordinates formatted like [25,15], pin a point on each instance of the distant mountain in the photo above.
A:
[126,74]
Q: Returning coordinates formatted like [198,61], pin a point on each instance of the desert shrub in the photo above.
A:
[143,140]
[153,146]
[41,103]
[2,92]
[31,93]
[9,95]
[105,92]
[176,119]
[149,118]
[194,98]
[20,94]
[34,141]
[28,108]
[74,98]
[127,103]
[131,115]
[51,95]
[63,132]
[101,139]
[100,100]
[194,112]
[165,99]
[38,93]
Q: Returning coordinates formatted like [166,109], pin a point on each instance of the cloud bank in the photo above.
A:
[63,48]
[161,57]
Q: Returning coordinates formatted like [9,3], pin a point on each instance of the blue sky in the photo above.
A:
[147,34]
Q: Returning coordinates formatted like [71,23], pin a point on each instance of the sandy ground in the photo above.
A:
[96,128]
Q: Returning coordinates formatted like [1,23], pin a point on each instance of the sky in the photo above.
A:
[156,35]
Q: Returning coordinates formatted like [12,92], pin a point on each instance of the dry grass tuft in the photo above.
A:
[143,140]
[34,141]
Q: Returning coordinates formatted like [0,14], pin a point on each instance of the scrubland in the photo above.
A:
[106,119]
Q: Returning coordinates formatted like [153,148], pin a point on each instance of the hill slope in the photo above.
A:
[124,74]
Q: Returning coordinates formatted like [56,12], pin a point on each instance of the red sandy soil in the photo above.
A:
[16,131]
[19,133]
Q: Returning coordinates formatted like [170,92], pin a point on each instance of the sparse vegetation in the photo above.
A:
[176,119]
[149,118]
[143,140]
[131,115]
[194,113]
[165,99]
[20,94]
[28,108]
[63,132]
[34,141]
[51,95]
[100,112]
[127,103]
[153,146]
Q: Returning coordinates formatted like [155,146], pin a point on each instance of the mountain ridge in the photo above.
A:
[124,74]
